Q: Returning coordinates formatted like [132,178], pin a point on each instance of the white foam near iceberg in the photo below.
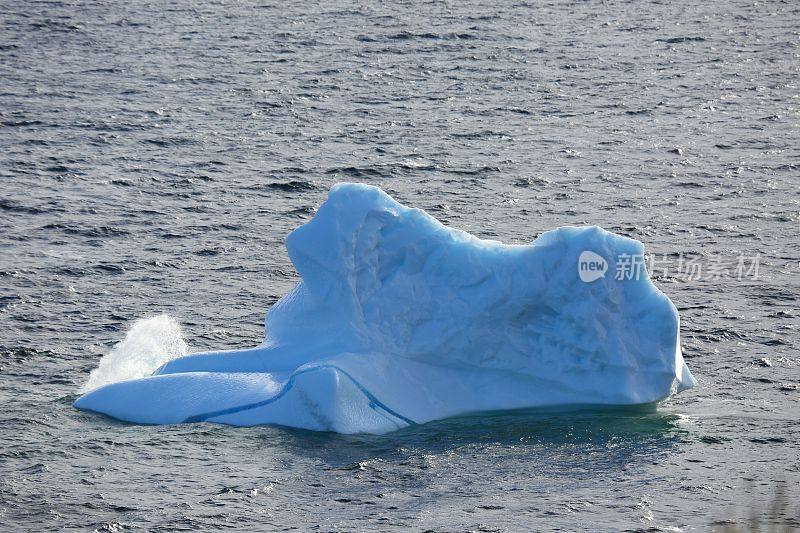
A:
[148,344]
[400,320]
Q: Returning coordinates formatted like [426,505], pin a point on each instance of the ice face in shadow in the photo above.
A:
[400,320]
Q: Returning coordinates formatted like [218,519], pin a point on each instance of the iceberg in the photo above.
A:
[401,320]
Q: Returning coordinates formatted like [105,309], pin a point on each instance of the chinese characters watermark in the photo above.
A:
[592,266]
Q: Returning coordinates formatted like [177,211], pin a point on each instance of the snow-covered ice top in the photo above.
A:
[401,320]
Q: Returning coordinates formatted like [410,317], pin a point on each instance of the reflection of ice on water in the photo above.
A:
[148,344]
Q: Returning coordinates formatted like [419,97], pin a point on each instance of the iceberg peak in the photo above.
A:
[399,319]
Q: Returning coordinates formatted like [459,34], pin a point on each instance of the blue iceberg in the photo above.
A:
[400,320]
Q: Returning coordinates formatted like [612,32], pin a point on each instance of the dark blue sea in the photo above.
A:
[154,155]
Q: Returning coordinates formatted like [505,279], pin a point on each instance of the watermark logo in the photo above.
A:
[591,266]
[677,267]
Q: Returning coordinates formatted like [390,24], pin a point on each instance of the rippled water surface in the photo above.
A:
[152,158]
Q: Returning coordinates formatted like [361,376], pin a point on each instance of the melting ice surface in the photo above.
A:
[401,320]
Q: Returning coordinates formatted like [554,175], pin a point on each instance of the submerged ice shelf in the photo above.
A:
[400,320]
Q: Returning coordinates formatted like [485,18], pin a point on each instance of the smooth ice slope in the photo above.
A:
[400,320]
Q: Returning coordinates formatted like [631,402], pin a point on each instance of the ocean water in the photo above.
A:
[153,157]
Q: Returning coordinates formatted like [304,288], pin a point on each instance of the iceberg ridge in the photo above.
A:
[399,320]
